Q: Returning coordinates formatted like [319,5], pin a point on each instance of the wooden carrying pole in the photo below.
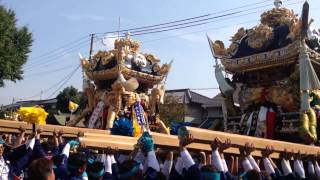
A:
[95,138]
[206,136]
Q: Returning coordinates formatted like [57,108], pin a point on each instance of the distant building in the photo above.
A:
[199,108]
[214,119]
[47,104]
[54,117]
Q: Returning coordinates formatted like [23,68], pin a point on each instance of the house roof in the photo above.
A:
[31,103]
[45,101]
[188,96]
[216,101]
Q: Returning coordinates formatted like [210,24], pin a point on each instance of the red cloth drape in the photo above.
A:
[271,123]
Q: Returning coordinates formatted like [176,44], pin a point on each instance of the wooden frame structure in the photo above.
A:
[100,139]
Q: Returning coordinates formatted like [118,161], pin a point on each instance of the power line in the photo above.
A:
[50,71]
[66,80]
[68,76]
[53,60]
[188,26]
[65,52]
[193,32]
[179,26]
[63,46]
[47,63]
[197,22]
[185,23]
[187,19]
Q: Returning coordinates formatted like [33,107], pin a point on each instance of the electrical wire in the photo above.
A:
[175,26]
[65,82]
[61,54]
[199,22]
[52,61]
[50,71]
[190,22]
[61,47]
[202,30]
[186,19]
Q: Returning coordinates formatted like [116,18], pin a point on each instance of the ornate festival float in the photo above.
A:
[124,88]
[272,70]
[268,77]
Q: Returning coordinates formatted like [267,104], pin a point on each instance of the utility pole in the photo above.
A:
[91,47]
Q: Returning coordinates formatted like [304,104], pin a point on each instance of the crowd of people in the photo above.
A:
[35,157]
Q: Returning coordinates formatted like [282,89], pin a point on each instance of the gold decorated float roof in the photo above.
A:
[127,59]
[275,41]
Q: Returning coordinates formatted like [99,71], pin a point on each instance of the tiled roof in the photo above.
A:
[188,96]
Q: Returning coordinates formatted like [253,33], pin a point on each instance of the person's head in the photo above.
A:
[41,169]
[130,169]
[95,170]
[77,163]
[251,175]
[57,160]
[208,172]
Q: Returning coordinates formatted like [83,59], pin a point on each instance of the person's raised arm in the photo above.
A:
[216,159]
[21,136]
[267,163]
[297,166]
[55,138]
[224,146]
[285,164]
[167,165]
[249,149]
[184,153]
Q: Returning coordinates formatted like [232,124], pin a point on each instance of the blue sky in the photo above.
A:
[55,23]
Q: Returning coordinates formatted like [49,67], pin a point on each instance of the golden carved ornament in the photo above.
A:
[165,69]
[239,35]
[233,48]
[283,16]
[85,64]
[219,48]
[127,42]
[259,36]
[105,57]
[278,16]
[151,58]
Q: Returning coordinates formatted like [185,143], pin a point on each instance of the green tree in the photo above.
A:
[15,44]
[172,109]
[70,94]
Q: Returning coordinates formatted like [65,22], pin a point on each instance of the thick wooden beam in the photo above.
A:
[102,139]
[48,127]
[206,136]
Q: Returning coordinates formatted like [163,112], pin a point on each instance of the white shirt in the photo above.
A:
[4,169]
